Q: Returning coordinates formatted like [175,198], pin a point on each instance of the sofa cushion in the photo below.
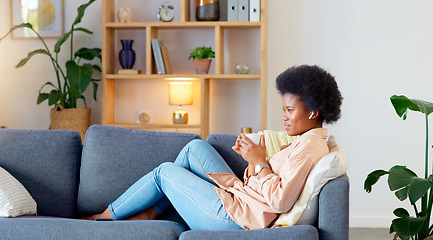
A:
[331,166]
[114,158]
[46,163]
[15,200]
[63,228]
[305,232]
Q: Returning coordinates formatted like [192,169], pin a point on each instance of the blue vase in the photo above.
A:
[127,55]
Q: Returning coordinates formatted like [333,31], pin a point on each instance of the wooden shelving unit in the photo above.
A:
[109,56]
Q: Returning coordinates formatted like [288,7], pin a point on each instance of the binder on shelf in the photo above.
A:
[254,10]
[243,11]
[166,60]
[232,10]
[156,48]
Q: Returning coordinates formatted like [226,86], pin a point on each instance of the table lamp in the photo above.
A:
[180,93]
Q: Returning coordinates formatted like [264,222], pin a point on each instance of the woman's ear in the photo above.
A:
[313,115]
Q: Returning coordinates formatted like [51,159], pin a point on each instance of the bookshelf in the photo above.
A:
[110,26]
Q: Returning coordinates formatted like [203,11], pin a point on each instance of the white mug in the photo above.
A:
[254,137]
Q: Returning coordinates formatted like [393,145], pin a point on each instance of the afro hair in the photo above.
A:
[316,88]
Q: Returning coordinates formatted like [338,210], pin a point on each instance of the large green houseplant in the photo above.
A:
[407,185]
[73,78]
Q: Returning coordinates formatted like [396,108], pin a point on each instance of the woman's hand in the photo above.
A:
[252,153]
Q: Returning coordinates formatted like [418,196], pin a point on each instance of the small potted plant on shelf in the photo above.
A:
[202,58]
[407,185]
[72,79]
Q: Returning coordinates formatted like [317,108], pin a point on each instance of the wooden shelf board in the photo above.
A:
[181,76]
[154,126]
[174,25]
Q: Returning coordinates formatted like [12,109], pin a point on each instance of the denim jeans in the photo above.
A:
[184,185]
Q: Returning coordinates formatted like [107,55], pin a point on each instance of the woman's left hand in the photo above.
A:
[251,152]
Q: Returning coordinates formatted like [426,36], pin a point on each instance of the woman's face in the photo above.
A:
[296,116]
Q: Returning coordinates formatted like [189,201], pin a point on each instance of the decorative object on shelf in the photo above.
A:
[3,127]
[73,80]
[202,58]
[124,15]
[180,93]
[128,71]
[127,55]
[405,182]
[166,13]
[45,16]
[142,117]
[242,69]
[207,10]
[77,119]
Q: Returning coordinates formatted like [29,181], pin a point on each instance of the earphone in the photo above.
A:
[311,116]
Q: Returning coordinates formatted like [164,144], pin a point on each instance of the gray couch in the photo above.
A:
[68,179]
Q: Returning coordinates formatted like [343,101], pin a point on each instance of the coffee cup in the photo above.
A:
[254,137]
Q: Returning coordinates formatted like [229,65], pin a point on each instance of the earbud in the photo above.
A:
[311,116]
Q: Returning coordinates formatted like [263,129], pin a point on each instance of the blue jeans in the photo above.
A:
[184,185]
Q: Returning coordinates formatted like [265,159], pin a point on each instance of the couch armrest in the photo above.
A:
[333,220]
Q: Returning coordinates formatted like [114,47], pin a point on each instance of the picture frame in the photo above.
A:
[46,16]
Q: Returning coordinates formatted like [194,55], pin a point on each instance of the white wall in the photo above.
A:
[374,49]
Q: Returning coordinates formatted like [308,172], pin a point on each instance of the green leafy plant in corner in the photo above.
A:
[72,79]
[407,185]
[202,53]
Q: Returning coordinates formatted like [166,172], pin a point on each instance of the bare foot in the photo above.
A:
[148,214]
[104,215]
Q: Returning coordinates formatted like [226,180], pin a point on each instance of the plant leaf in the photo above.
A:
[399,177]
[402,193]
[88,54]
[53,98]
[13,28]
[65,37]
[79,78]
[407,226]
[95,90]
[30,55]
[42,97]
[372,178]
[418,188]
[402,104]
[401,212]
[81,11]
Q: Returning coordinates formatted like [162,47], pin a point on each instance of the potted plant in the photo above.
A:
[72,79]
[407,185]
[202,58]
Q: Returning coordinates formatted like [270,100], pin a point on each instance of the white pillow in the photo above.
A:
[15,200]
[305,210]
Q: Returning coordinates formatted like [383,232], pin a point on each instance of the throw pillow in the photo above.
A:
[329,167]
[15,200]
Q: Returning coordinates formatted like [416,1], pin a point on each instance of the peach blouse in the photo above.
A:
[257,202]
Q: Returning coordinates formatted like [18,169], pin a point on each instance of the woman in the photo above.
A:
[271,186]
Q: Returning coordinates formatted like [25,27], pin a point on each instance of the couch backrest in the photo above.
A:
[223,144]
[114,158]
[46,162]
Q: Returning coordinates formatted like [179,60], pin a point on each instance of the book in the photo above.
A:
[166,60]
[156,48]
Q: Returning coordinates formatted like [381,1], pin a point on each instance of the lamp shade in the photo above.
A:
[180,93]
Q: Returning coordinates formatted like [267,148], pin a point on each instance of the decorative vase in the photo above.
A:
[77,119]
[201,65]
[127,55]
[207,10]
